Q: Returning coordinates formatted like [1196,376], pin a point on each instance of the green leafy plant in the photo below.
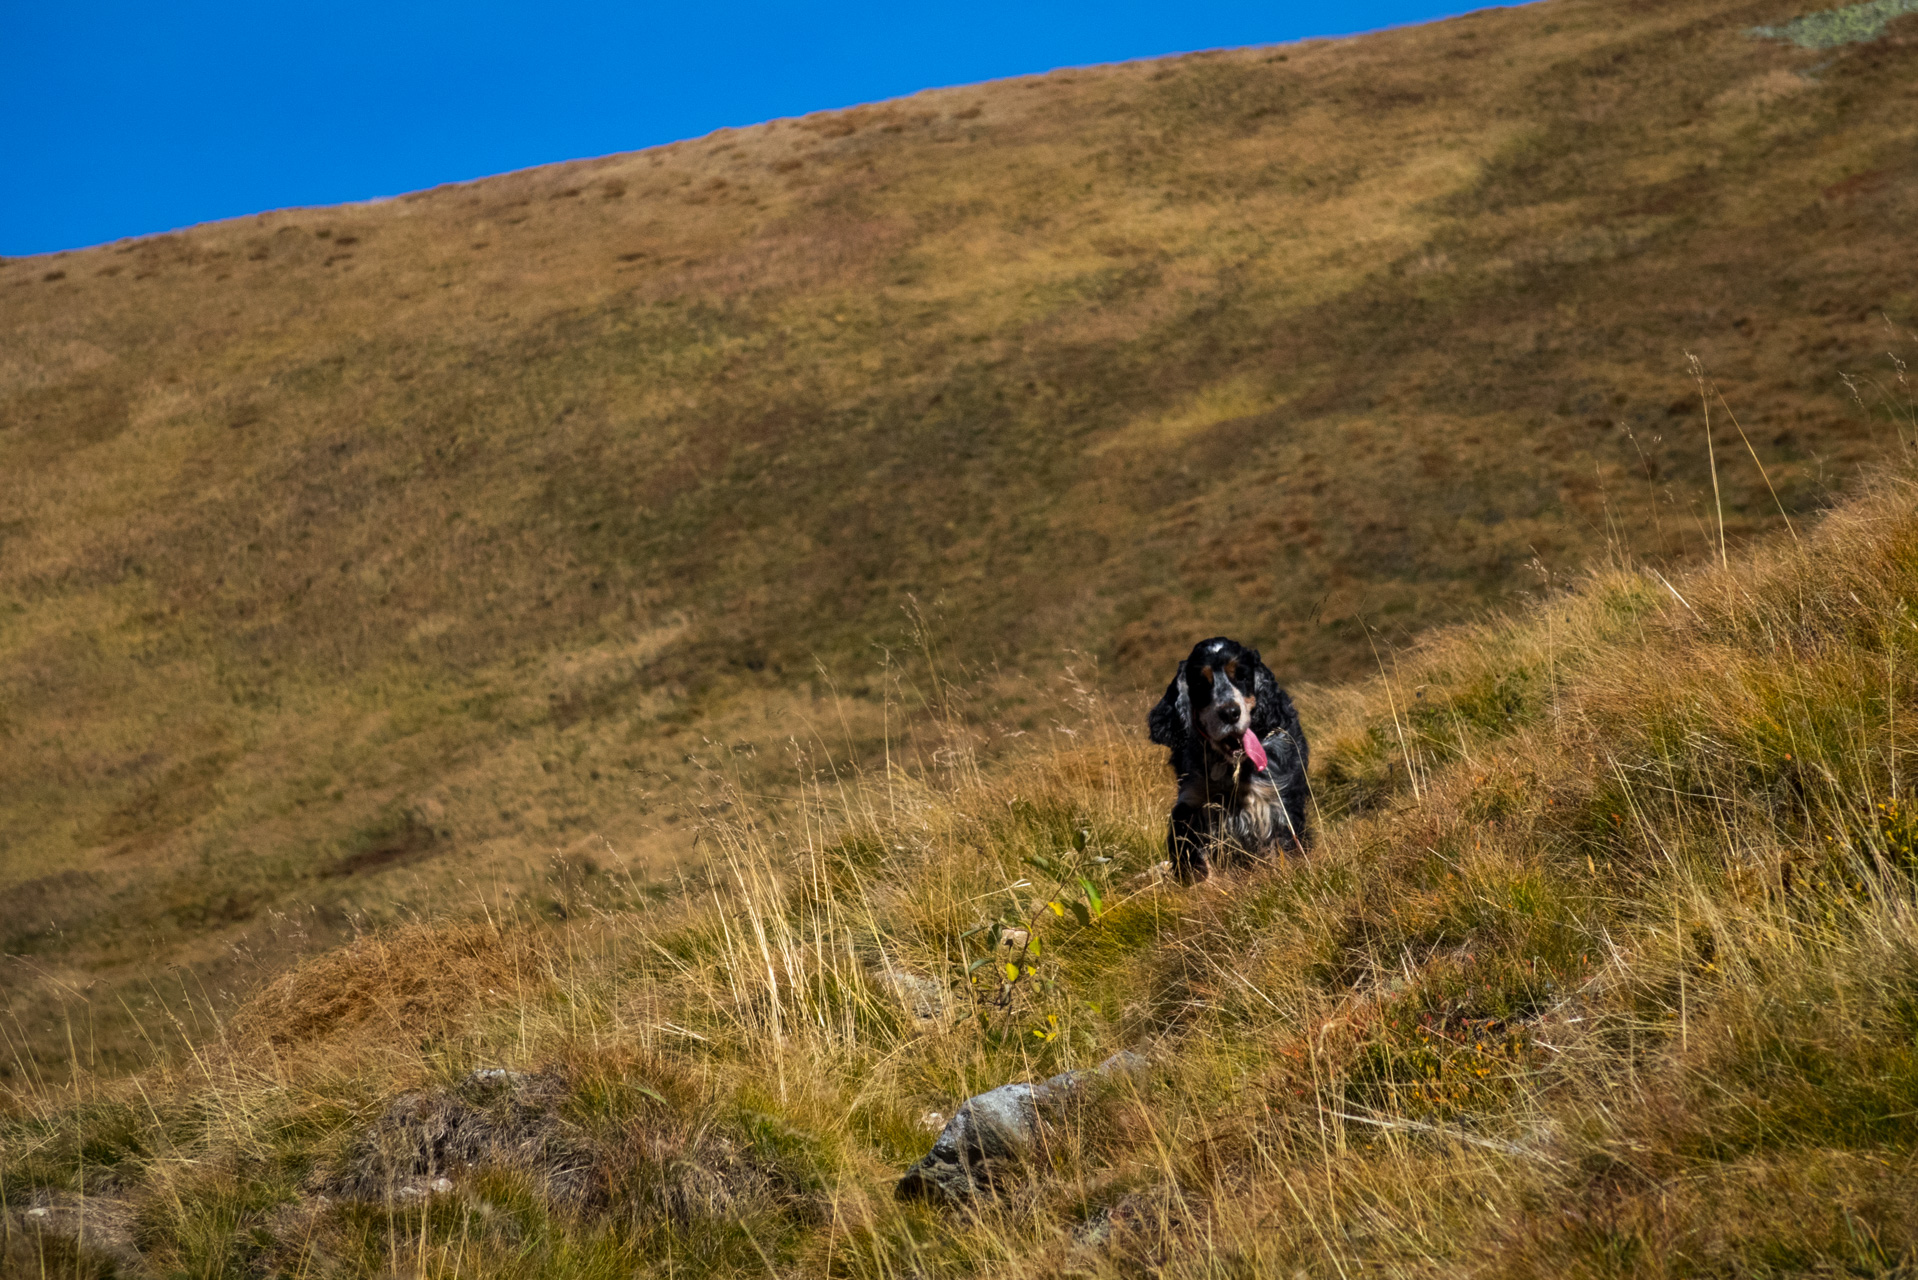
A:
[1014,958]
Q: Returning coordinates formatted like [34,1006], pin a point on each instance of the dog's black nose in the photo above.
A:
[1229,714]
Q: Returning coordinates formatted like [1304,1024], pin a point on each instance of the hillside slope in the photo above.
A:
[355,559]
[1591,974]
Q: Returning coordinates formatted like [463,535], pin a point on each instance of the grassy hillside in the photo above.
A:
[1592,974]
[357,561]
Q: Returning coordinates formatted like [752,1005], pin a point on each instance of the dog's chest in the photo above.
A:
[1259,815]
[1246,803]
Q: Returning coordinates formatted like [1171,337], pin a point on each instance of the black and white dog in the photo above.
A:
[1240,758]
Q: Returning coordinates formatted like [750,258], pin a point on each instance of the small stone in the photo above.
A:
[36,1213]
[994,1131]
[923,997]
[442,1185]
[990,1131]
[493,1076]
[932,1121]
[1094,1231]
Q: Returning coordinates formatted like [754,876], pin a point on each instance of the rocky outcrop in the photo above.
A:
[997,1132]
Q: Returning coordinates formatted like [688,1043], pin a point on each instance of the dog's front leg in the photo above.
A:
[1187,843]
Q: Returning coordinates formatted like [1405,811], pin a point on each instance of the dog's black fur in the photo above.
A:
[1226,808]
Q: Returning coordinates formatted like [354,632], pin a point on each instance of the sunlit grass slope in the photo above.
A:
[1606,965]
[361,560]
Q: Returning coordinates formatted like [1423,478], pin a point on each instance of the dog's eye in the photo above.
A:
[1232,669]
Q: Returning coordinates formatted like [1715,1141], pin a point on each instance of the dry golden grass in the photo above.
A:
[1604,966]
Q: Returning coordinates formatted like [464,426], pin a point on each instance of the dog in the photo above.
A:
[1240,758]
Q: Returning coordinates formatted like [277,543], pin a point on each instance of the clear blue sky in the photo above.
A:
[122,119]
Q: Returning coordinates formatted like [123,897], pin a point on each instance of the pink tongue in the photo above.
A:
[1254,750]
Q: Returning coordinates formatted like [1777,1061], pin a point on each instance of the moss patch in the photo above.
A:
[1853,24]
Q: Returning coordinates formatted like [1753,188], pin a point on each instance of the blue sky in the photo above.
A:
[123,119]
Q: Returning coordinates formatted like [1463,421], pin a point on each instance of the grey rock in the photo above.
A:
[996,1132]
[1096,1231]
[100,1228]
[922,997]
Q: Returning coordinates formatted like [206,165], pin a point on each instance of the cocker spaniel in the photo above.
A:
[1240,758]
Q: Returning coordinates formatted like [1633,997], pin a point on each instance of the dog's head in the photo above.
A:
[1214,697]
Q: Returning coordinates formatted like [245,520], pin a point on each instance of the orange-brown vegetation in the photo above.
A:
[408,981]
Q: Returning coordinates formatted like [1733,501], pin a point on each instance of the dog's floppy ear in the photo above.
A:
[1269,713]
[1170,721]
